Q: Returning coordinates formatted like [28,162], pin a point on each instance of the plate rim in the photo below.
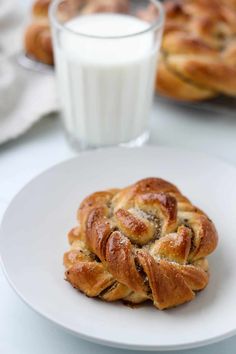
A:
[94,338]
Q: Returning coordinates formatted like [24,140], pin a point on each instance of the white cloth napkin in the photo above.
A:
[29,96]
[25,95]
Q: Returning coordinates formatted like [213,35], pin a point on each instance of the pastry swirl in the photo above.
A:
[143,242]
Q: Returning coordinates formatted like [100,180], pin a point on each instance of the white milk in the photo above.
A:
[106,84]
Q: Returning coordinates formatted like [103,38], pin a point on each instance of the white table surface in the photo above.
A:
[21,330]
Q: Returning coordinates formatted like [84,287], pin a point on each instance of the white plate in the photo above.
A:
[33,239]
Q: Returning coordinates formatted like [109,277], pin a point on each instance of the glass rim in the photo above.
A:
[157,24]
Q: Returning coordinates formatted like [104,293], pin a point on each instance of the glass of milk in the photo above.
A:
[106,54]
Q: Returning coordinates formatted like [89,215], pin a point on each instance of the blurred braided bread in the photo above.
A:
[143,242]
[198,57]
[38,41]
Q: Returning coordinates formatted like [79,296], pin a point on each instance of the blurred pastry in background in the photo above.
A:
[95,6]
[198,58]
[37,41]
[40,10]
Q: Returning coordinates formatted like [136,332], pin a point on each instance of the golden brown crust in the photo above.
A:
[184,43]
[98,230]
[204,72]
[90,277]
[175,246]
[146,241]
[40,8]
[120,260]
[73,235]
[167,284]
[136,227]
[196,277]
[229,54]
[168,83]
[231,3]
[94,201]
[116,292]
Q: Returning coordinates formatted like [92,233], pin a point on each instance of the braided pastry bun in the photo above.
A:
[143,242]
[195,63]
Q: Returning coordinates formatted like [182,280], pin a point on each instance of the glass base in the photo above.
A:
[139,141]
[78,145]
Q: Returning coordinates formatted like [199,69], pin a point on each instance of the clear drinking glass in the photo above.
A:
[106,54]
